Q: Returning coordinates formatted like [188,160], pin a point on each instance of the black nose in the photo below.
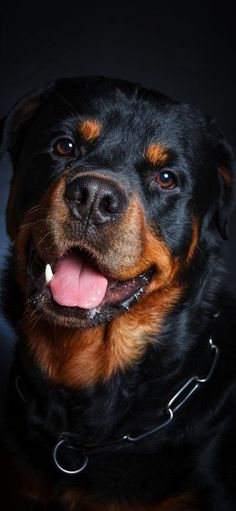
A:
[95,199]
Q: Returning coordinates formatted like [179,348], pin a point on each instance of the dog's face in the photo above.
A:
[114,188]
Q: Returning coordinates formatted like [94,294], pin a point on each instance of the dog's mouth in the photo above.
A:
[78,282]
[76,286]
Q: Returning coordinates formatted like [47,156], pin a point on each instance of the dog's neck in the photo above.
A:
[130,394]
[80,358]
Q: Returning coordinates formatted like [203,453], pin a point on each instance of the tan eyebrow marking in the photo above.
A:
[156,154]
[90,129]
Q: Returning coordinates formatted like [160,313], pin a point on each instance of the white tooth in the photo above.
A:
[48,273]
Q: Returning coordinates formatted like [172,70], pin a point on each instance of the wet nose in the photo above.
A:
[95,199]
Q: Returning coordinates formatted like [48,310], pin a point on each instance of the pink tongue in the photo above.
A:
[77,284]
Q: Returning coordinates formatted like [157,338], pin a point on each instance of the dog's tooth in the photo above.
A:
[48,273]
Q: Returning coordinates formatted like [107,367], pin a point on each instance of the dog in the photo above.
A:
[122,392]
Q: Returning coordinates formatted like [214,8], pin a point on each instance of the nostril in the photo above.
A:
[109,203]
[82,196]
[77,194]
[71,192]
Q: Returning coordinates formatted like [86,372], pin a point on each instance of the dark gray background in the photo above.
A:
[184,49]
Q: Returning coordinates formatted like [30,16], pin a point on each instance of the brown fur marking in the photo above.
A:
[194,242]
[225,174]
[73,499]
[24,112]
[156,154]
[90,129]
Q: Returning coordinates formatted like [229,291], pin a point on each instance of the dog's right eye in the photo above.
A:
[65,147]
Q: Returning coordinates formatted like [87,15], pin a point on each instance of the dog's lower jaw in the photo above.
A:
[119,297]
[94,354]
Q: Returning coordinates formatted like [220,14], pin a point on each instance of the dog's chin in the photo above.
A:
[118,298]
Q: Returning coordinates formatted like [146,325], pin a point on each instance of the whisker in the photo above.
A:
[34,208]
[38,318]
[30,224]
[43,238]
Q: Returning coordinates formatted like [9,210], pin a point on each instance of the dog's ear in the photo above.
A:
[225,166]
[15,126]
[226,177]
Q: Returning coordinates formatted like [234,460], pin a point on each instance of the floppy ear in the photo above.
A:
[226,177]
[14,127]
[224,163]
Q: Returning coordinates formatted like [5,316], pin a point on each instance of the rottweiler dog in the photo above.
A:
[122,393]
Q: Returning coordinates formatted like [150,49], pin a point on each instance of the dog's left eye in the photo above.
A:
[166,179]
[65,147]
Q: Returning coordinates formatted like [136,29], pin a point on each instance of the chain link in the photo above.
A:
[184,393]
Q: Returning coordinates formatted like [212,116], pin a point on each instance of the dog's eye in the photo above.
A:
[166,179]
[65,147]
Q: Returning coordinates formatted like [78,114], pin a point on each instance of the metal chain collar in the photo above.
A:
[174,404]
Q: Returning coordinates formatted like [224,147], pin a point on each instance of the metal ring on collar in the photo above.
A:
[66,471]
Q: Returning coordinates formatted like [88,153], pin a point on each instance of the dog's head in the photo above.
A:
[114,189]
